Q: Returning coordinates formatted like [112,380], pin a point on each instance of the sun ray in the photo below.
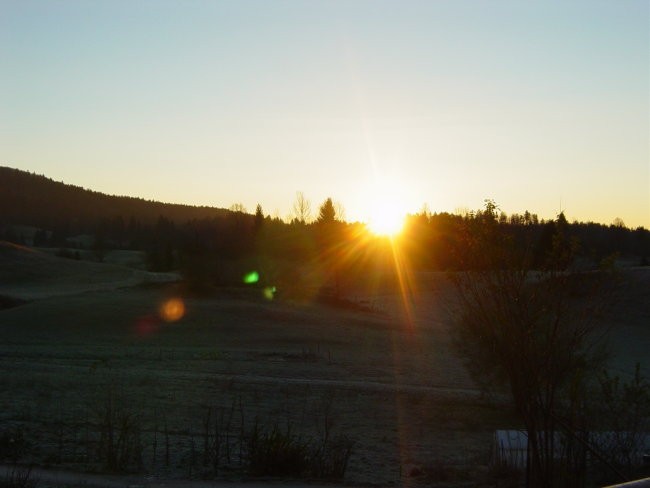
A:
[404,281]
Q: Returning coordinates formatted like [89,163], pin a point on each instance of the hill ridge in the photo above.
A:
[31,199]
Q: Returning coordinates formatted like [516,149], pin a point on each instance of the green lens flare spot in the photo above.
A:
[252,277]
[269,292]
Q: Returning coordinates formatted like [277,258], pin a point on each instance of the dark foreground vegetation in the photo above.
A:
[112,435]
[534,324]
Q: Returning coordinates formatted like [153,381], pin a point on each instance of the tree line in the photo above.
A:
[176,236]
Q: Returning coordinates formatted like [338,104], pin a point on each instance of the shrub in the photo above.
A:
[277,453]
[16,477]
[280,453]
[120,446]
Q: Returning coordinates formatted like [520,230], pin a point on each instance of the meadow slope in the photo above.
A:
[389,380]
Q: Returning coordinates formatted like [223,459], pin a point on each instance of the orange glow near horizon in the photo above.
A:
[367,246]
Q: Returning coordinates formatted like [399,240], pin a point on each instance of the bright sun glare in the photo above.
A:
[386,212]
[386,222]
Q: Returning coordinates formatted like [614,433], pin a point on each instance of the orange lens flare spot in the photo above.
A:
[172,310]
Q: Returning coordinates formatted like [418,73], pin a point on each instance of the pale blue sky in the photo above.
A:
[533,104]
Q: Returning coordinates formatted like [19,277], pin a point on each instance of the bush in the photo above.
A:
[277,453]
[282,454]
[120,446]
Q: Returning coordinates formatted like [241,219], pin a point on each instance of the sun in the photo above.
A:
[386,221]
[385,210]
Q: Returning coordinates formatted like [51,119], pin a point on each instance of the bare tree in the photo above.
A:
[535,331]
[237,207]
[624,414]
[302,208]
[340,211]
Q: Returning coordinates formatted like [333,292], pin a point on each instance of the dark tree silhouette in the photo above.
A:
[60,214]
[327,212]
[258,221]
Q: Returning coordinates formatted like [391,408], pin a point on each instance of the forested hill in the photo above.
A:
[31,199]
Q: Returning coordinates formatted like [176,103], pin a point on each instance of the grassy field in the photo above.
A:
[82,362]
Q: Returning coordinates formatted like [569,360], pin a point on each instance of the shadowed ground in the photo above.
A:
[390,380]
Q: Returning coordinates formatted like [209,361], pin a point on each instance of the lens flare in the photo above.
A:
[269,292]
[252,277]
[146,326]
[172,310]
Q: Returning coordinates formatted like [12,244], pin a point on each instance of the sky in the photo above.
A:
[538,105]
